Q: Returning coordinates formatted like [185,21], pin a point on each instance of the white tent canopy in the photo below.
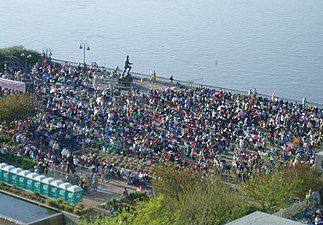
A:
[13,85]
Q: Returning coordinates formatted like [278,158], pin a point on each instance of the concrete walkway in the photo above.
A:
[106,190]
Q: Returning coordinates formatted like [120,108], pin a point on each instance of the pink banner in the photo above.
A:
[14,85]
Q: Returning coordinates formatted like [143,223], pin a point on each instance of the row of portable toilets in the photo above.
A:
[39,183]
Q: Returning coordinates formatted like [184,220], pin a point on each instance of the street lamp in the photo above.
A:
[84,46]
[47,52]
[26,58]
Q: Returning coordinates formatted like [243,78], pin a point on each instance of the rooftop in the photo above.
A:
[261,218]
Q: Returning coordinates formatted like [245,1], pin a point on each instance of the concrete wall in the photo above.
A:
[8,221]
[56,219]
[68,218]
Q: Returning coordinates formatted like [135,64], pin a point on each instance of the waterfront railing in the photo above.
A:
[186,84]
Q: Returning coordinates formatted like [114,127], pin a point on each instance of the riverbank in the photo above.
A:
[163,82]
[198,129]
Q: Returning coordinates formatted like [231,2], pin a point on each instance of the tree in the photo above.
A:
[16,51]
[147,212]
[17,107]
[280,188]
[184,198]
[174,183]
[213,203]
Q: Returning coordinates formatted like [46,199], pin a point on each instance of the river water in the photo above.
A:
[272,45]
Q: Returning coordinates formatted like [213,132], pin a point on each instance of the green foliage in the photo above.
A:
[280,188]
[150,212]
[137,196]
[52,203]
[184,198]
[67,207]
[213,203]
[77,211]
[22,162]
[5,138]
[59,204]
[115,206]
[17,107]
[175,183]
[17,51]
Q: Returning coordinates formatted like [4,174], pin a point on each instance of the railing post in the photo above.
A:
[190,82]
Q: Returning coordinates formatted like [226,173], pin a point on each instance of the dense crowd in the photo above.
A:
[199,128]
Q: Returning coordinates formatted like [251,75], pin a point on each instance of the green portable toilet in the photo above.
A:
[14,177]
[62,191]
[7,173]
[2,165]
[45,189]
[53,188]
[30,181]
[22,179]
[38,184]
[74,194]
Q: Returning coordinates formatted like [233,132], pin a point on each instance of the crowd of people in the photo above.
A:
[200,128]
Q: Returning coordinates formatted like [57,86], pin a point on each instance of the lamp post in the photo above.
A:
[84,46]
[47,52]
[26,58]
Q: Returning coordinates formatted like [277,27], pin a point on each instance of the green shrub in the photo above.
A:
[52,203]
[17,107]
[5,138]
[79,206]
[77,211]
[20,161]
[137,196]
[16,51]
[279,189]
[61,206]
[65,206]
[69,208]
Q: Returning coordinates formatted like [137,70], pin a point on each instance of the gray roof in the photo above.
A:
[319,153]
[261,218]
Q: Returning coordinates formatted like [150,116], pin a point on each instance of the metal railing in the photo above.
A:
[15,61]
[188,84]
